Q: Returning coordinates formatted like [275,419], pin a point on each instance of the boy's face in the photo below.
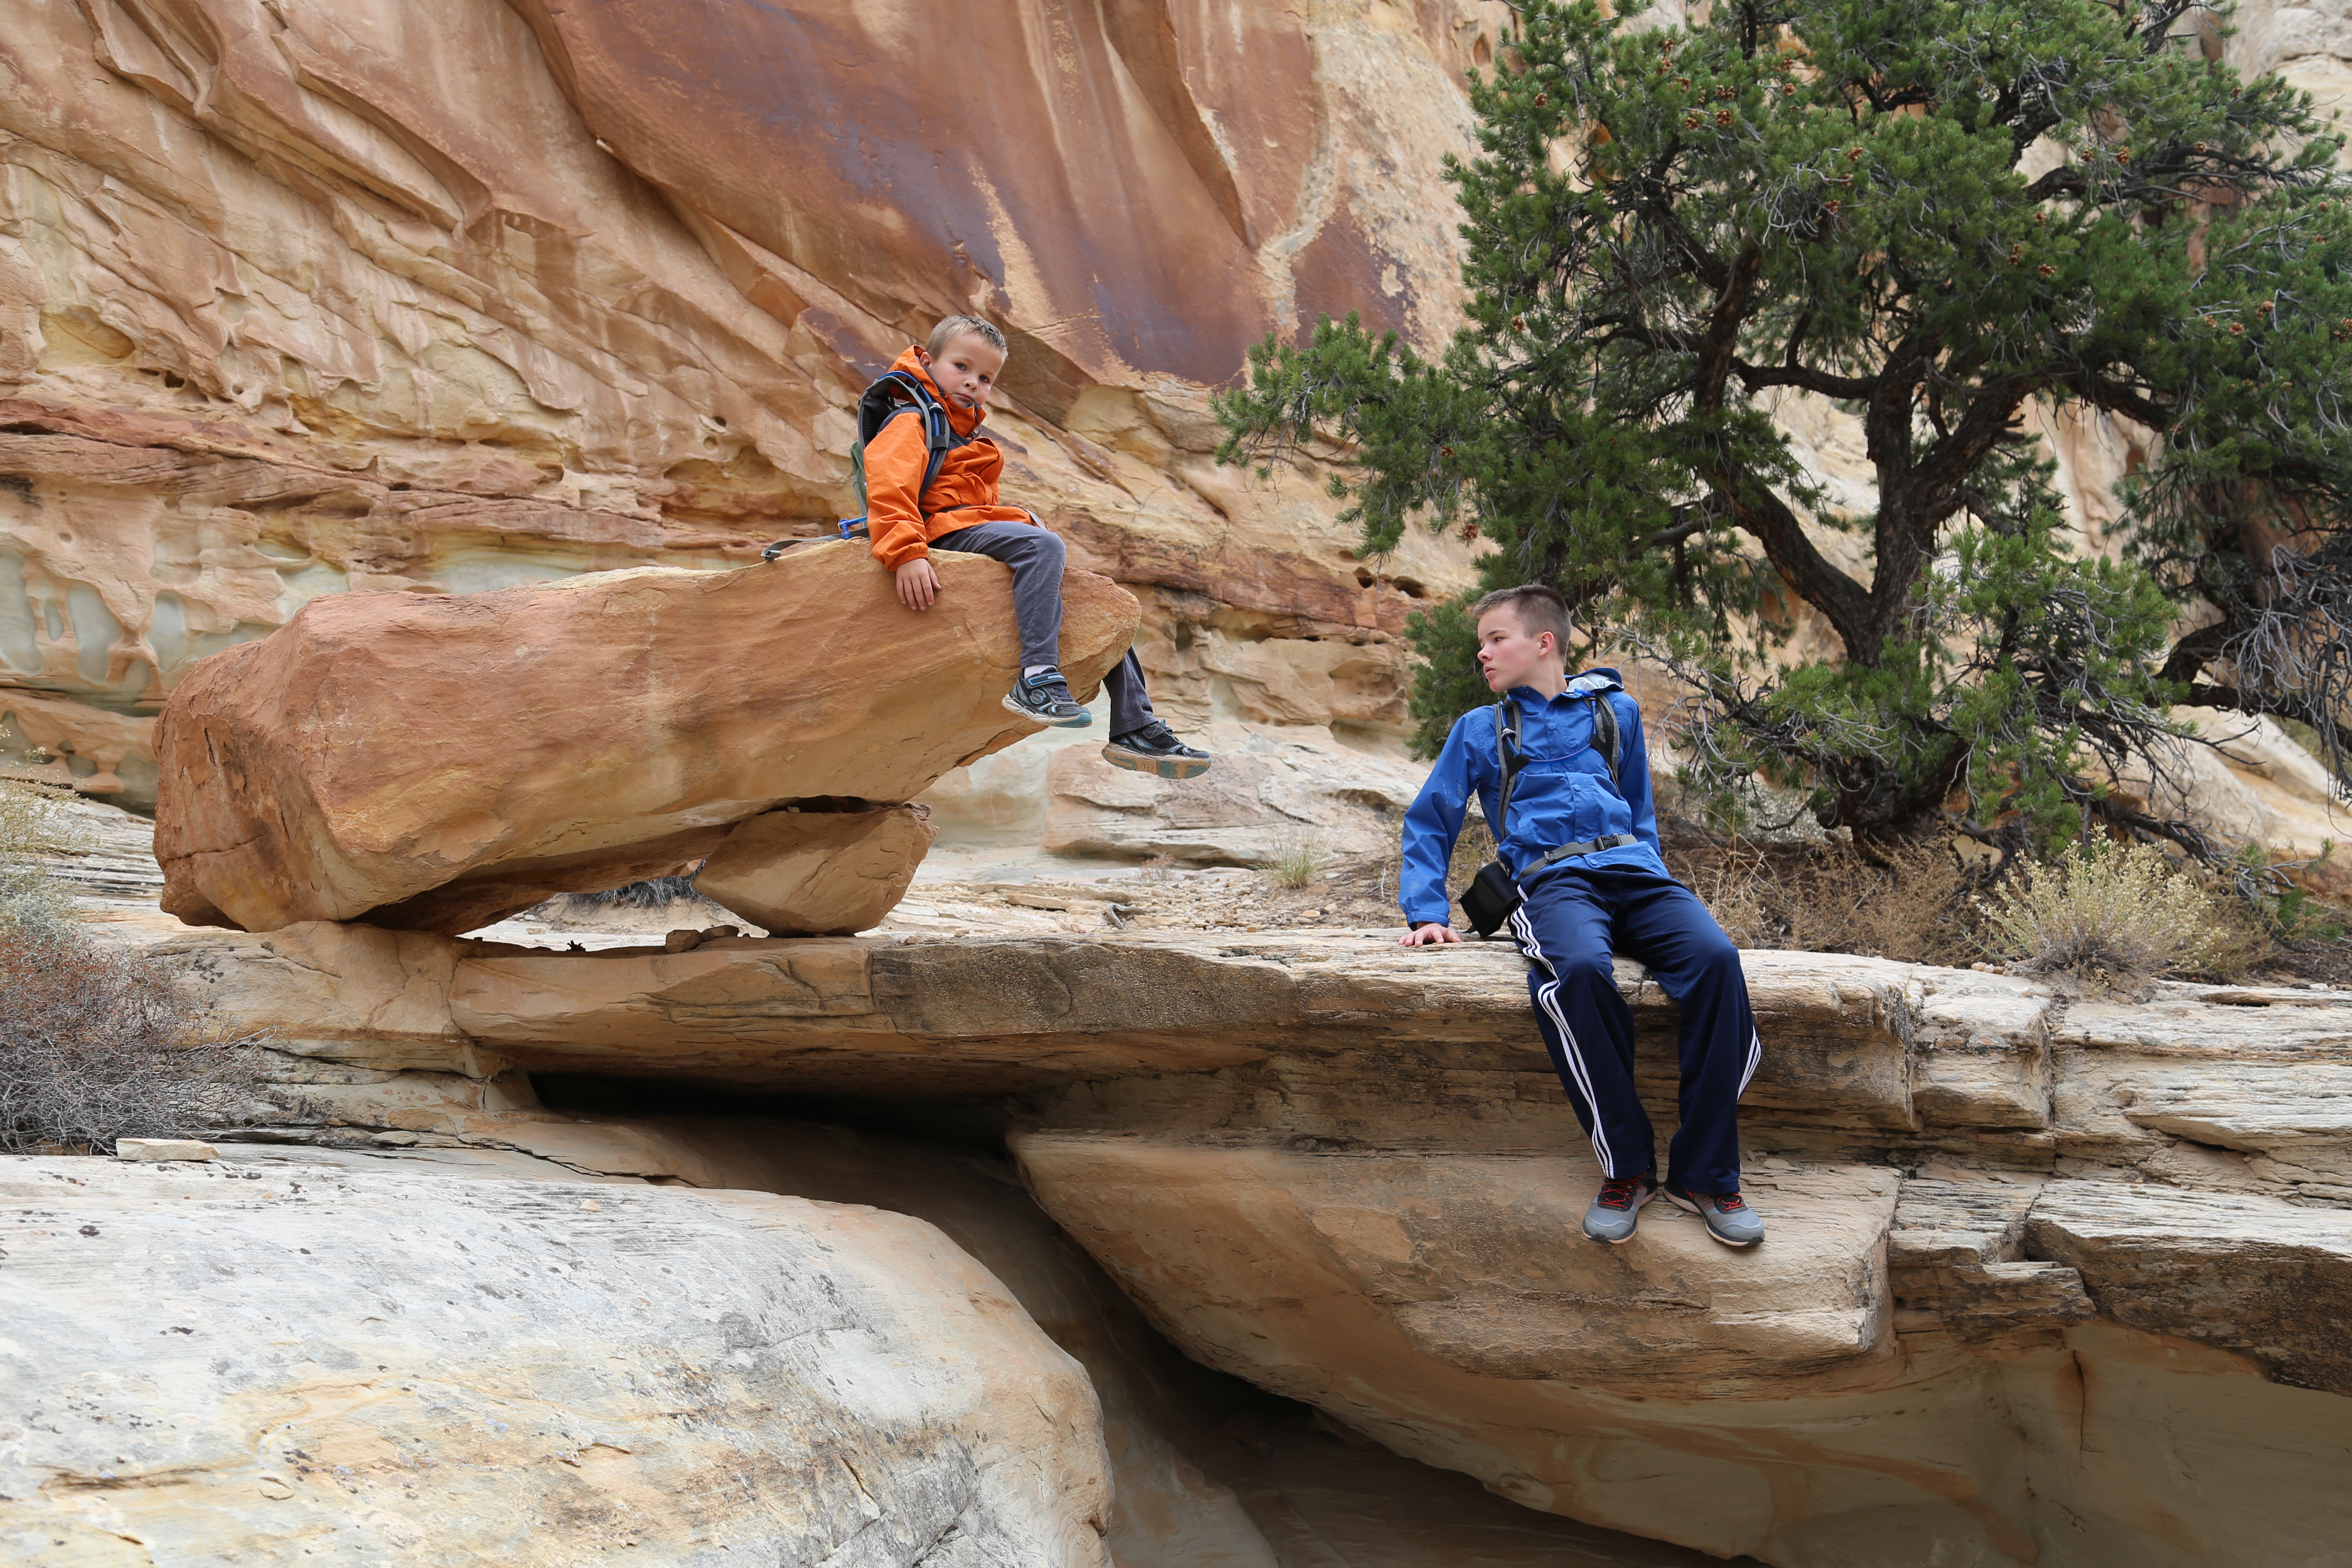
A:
[1507,654]
[965,370]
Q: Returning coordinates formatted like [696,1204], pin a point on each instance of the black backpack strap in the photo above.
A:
[1507,763]
[1605,737]
[896,393]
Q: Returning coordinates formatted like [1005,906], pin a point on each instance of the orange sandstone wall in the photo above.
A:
[299,298]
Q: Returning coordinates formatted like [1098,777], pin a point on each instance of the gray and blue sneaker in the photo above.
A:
[1729,1220]
[1613,1213]
[1154,749]
[1044,697]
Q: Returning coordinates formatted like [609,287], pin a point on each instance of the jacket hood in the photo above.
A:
[1586,684]
[962,421]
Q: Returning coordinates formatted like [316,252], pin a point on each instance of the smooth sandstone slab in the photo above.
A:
[1474,1261]
[435,762]
[2267,1279]
[1748,1402]
[304,1366]
[817,873]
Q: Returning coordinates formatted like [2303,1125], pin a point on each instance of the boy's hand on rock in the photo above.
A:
[918,583]
[1431,932]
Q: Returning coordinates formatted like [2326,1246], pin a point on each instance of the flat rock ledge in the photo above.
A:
[1346,1173]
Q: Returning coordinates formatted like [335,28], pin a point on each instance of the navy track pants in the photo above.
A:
[1573,919]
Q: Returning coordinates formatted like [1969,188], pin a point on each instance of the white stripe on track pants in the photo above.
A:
[1573,919]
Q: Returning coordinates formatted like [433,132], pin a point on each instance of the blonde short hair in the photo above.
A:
[1539,609]
[953,327]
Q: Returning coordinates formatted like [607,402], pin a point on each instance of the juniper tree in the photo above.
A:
[1936,217]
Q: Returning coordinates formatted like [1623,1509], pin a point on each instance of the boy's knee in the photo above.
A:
[1588,971]
[1715,958]
[1042,545]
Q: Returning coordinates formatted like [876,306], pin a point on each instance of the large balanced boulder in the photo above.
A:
[436,762]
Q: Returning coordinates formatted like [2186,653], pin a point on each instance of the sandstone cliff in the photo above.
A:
[298,300]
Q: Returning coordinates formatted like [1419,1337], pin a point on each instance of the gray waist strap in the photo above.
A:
[1570,851]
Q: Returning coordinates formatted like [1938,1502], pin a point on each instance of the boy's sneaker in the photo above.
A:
[1728,1220]
[1611,1216]
[1154,749]
[1045,698]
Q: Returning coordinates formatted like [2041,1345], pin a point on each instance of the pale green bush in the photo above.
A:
[2118,916]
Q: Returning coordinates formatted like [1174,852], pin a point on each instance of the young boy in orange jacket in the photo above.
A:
[959,509]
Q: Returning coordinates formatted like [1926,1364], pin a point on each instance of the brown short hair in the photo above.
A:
[1539,610]
[950,328]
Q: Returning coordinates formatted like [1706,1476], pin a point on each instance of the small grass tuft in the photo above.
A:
[1297,860]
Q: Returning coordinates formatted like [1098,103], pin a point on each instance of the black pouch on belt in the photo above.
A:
[1493,894]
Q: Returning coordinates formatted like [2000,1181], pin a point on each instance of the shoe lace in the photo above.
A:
[1617,1192]
[1728,1203]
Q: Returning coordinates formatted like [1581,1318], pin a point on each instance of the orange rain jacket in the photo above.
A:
[902,522]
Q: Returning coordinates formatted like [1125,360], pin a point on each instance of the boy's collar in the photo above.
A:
[1584,685]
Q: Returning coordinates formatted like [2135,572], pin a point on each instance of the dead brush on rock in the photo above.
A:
[2116,918]
[33,825]
[94,1046]
[1910,903]
[1297,860]
[98,1045]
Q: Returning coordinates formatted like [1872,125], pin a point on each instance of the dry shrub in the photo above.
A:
[33,823]
[1908,903]
[96,1046]
[2118,916]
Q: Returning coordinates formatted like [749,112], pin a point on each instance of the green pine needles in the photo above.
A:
[1938,217]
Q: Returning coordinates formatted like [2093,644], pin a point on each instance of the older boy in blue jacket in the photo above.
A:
[1584,849]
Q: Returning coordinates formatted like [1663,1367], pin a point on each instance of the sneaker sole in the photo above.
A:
[1080,722]
[1681,1202]
[1161,767]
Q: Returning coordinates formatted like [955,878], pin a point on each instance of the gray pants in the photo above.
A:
[1036,557]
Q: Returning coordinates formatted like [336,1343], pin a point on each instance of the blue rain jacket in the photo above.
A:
[1562,793]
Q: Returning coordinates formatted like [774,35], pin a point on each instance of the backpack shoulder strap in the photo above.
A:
[1507,761]
[892,394]
[1606,737]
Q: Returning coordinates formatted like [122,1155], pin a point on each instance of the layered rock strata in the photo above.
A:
[1345,1173]
[301,300]
[436,762]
